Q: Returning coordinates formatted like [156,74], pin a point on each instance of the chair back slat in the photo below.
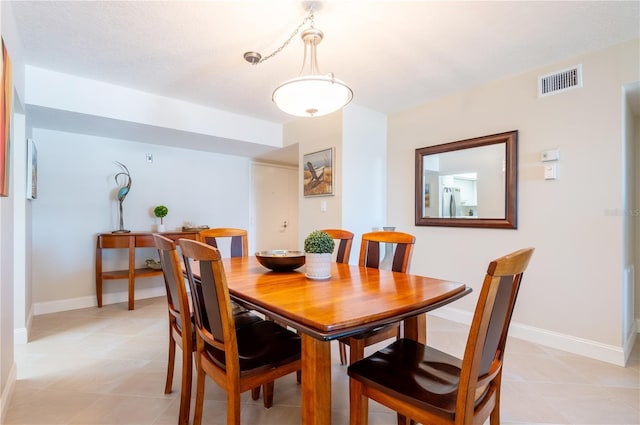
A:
[174,281]
[210,295]
[236,247]
[399,257]
[497,322]
[210,241]
[373,255]
[169,281]
[344,246]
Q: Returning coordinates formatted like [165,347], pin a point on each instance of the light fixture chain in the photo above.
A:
[308,18]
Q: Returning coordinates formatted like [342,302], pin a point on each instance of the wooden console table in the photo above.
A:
[129,241]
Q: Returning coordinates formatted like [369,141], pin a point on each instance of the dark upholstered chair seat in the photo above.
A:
[425,385]
[418,374]
[244,317]
[261,345]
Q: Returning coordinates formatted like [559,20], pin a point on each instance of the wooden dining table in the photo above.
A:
[351,301]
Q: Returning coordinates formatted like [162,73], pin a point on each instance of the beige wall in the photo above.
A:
[573,286]
[636,215]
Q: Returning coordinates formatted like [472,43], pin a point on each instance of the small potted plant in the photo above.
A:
[161,212]
[318,247]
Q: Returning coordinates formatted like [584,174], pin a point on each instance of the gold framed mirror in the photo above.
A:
[468,183]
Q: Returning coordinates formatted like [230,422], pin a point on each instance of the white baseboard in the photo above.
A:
[580,346]
[86,302]
[631,340]
[21,335]
[7,393]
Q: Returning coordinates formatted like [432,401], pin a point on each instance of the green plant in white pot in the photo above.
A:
[318,247]
[161,212]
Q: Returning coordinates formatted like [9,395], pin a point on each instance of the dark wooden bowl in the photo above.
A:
[281,260]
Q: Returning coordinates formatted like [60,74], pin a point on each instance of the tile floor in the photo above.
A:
[107,366]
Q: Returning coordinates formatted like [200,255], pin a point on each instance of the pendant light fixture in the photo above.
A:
[311,94]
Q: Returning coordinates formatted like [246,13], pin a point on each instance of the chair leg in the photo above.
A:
[299,376]
[343,352]
[494,417]
[358,404]
[255,393]
[403,420]
[197,416]
[356,350]
[268,394]
[170,363]
[185,389]
[233,407]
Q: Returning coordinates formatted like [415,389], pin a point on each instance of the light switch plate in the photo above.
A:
[550,155]
[550,172]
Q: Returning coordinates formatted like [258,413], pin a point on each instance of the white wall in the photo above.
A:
[76,200]
[571,295]
[364,181]
[358,137]
[10,224]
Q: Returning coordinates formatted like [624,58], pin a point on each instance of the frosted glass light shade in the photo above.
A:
[312,95]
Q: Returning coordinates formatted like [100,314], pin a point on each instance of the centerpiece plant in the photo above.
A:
[318,248]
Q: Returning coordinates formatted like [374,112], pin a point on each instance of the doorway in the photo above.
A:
[275,207]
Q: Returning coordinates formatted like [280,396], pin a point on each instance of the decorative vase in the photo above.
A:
[387,261]
[161,228]
[318,266]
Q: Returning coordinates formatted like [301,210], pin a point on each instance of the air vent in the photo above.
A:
[560,81]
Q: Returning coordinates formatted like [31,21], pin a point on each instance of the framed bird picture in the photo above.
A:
[318,173]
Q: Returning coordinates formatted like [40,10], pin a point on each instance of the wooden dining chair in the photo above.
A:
[345,239]
[181,328]
[429,386]
[180,325]
[239,239]
[400,246]
[236,358]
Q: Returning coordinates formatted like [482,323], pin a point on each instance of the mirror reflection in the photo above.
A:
[468,183]
[459,195]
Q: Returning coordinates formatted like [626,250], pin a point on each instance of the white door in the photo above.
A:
[275,207]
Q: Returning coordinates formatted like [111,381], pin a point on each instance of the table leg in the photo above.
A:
[316,381]
[415,328]
[132,271]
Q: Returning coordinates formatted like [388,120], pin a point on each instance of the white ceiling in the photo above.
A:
[393,54]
